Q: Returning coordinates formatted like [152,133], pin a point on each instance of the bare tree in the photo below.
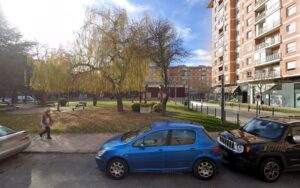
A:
[165,48]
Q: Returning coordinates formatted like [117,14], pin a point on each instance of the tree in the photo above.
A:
[13,51]
[53,73]
[114,48]
[165,48]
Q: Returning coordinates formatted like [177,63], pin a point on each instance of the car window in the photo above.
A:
[295,131]
[138,143]
[5,131]
[183,137]
[133,134]
[158,138]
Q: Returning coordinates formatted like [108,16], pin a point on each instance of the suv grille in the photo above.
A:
[226,142]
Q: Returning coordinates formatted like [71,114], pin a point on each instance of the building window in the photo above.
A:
[291,47]
[249,47]
[291,65]
[226,78]
[249,74]
[226,27]
[216,44]
[291,28]
[249,61]
[226,17]
[249,34]
[249,22]
[226,47]
[291,10]
[226,68]
[249,8]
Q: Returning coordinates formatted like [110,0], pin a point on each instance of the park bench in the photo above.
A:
[80,104]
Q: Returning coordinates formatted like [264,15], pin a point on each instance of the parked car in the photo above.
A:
[21,98]
[161,147]
[12,142]
[267,145]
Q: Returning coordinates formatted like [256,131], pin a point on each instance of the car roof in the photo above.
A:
[172,124]
[283,119]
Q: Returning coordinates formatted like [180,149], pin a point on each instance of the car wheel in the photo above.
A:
[204,169]
[270,170]
[117,169]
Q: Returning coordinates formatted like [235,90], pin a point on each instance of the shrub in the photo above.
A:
[157,108]
[136,107]
[63,102]
[145,105]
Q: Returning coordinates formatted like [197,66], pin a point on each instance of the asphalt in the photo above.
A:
[72,143]
[79,171]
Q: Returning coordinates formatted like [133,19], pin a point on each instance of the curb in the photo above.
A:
[59,152]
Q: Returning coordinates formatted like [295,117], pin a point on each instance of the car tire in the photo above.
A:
[270,170]
[117,169]
[204,169]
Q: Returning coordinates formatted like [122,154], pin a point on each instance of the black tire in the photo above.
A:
[117,169]
[204,169]
[270,170]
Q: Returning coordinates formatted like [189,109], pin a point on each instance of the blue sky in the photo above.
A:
[55,22]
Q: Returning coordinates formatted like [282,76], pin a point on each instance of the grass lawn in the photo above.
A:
[105,118]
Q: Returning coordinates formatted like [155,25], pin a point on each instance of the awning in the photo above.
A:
[227,89]
[273,88]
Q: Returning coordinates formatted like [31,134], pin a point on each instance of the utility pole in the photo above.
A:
[222,100]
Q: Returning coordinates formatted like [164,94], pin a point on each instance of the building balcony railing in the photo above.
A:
[267,75]
[269,43]
[259,3]
[267,28]
[260,16]
[269,59]
[221,6]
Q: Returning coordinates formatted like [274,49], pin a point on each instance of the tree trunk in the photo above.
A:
[95,100]
[58,103]
[164,104]
[119,102]
[140,97]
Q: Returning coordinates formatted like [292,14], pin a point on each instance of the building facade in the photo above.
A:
[195,79]
[256,46]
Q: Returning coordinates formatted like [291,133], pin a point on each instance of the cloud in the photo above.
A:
[201,55]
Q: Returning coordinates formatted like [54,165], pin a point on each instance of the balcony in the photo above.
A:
[260,16]
[220,24]
[270,43]
[273,58]
[261,32]
[220,52]
[259,75]
[220,6]
[259,5]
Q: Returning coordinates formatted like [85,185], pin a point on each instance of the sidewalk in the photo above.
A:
[72,143]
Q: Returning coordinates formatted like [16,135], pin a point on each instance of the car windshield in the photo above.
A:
[5,131]
[266,129]
[133,134]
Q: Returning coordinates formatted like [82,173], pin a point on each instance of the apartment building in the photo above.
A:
[256,46]
[195,79]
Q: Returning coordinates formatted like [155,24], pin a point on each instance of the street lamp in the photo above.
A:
[222,99]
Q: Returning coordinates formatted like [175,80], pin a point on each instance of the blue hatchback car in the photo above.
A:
[162,147]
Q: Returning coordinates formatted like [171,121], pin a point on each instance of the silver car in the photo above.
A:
[12,142]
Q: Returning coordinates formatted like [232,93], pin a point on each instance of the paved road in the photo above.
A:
[231,112]
[79,170]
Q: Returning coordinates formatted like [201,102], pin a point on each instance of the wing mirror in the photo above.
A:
[296,139]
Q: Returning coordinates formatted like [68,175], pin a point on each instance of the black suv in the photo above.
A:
[266,145]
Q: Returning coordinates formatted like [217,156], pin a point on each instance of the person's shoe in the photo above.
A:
[49,138]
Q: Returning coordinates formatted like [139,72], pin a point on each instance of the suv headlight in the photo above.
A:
[101,152]
[238,148]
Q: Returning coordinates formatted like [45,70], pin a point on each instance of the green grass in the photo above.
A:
[104,118]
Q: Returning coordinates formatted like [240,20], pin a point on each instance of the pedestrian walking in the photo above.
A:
[46,122]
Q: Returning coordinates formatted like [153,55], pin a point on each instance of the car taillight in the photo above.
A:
[248,149]
[216,149]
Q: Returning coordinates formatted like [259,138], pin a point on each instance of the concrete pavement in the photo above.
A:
[72,143]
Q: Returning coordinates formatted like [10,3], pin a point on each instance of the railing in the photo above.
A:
[260,16]
[266,75]
[259,2]
[271,42]
[269,58]
[268,27]
[272,57]
[220,6]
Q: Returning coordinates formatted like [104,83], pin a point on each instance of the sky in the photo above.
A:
[55,22]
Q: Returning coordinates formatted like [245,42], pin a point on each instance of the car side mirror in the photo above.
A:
[142,146]
[296,139]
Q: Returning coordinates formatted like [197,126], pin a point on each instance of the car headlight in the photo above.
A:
[238,148]
[101,152]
